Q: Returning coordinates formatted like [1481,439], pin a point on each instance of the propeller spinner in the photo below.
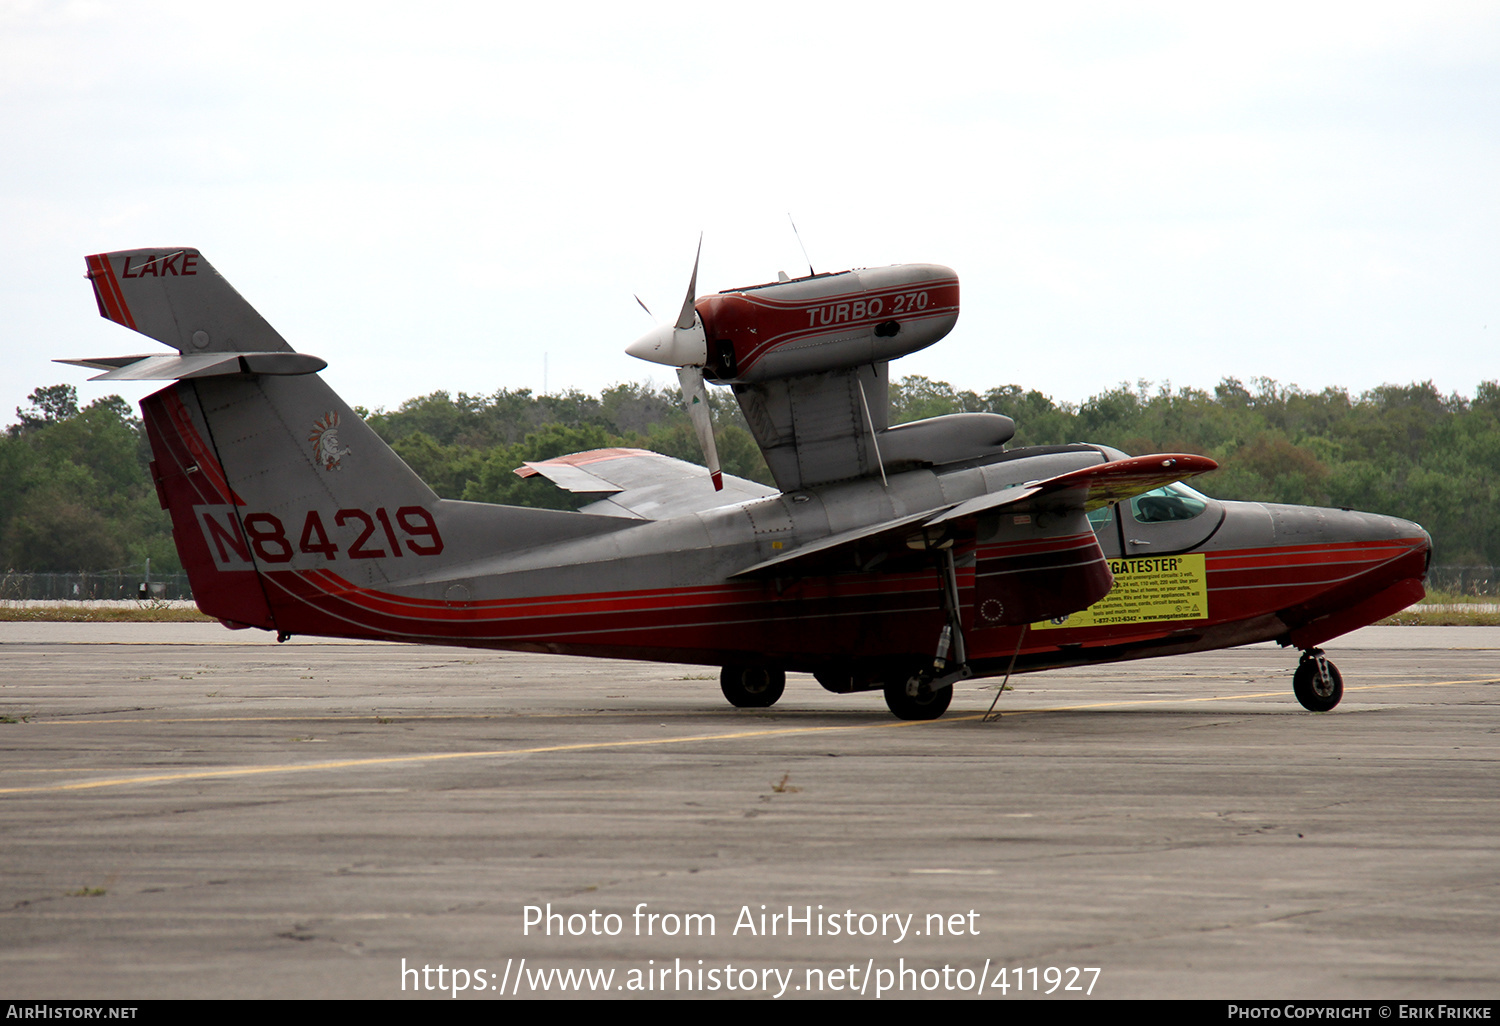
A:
[684,345]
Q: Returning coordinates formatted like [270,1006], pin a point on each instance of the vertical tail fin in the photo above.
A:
[272,477]
[252,450]
[288,511]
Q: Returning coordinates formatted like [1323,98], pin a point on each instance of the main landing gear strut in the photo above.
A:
[1317,683]
[926,695]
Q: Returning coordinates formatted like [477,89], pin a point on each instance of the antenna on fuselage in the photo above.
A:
[799,242]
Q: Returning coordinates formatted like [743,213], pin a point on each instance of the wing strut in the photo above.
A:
[869,422]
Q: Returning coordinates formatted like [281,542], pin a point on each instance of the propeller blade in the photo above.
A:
[645,308]
[688,315]
[695,398]
[682,344]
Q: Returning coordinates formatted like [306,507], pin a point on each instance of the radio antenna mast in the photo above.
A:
[799,242]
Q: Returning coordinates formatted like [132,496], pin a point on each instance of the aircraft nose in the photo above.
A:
[655,345]
[674,347]
[1418,531]
[1354,526]
[1307,524]
[1395,527]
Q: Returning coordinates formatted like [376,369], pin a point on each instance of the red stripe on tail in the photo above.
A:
[107,291]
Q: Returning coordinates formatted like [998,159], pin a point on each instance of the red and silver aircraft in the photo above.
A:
[901,558]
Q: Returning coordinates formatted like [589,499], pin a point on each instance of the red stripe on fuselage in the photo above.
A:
[1302,565]
[1331,552]
[817,617]
[421,610]
[747,618]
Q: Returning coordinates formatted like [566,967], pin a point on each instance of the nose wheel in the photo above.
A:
[1317,683]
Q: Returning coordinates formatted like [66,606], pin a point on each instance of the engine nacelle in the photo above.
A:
[827,321]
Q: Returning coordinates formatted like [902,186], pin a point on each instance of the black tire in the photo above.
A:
[928,705]
[752,687]
[1305,685]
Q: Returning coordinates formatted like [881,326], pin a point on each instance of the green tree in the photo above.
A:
[49,405]
[77,494]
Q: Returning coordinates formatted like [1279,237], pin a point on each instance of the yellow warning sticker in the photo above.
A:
[1154,588]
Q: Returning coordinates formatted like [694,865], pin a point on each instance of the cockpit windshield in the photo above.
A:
[1172,502]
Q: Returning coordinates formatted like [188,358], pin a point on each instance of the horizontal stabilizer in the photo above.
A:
[174,295]
[641,484]
[198,365]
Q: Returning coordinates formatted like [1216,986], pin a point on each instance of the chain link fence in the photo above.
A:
[1477,582]
[94,586]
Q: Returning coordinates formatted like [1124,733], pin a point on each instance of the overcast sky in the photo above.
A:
[465,196]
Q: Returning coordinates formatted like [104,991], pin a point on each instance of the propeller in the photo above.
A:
[684,345]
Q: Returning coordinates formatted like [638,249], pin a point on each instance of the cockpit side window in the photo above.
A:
[1102,521]
[1169,503]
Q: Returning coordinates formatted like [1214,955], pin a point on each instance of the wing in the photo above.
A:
[1077,491]
[1095,487]
[641,484]
[1033,550]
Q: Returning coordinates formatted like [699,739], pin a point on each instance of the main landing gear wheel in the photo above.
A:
[752,687]
[926,704]
[1317,683]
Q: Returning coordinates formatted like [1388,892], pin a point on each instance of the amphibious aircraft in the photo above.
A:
[902,558]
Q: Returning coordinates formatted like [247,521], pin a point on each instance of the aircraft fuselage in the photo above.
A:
[666,590]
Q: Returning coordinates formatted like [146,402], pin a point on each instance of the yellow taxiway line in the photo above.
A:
[305,767]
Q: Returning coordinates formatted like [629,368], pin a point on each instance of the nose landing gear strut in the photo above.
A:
[1317,683]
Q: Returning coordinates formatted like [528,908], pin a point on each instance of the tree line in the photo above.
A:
[77,494]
